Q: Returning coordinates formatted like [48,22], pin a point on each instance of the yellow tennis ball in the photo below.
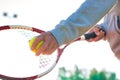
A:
[38,45]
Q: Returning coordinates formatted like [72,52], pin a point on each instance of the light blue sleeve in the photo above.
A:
[89,13]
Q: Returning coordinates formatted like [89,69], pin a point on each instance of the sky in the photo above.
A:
[45,14]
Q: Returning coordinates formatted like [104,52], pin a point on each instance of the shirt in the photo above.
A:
[111,26]
[86,16]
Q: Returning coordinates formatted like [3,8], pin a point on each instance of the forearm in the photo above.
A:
[89,13]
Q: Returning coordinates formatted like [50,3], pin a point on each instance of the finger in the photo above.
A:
[45,45]
[42,48]
[91,40]
[100,36]
[52,47]
[35,42]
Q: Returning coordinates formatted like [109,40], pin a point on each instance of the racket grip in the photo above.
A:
[90,35]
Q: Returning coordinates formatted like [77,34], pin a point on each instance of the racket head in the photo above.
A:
[17,61]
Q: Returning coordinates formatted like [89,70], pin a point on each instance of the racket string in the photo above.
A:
[45,61]
[28,34]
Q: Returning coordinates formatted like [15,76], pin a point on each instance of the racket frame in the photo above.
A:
[59,51]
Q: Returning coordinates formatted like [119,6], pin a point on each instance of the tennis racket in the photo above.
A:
[17,61]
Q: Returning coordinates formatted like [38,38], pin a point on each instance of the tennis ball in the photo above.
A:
[38,45]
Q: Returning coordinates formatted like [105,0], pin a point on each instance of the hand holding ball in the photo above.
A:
[38,45]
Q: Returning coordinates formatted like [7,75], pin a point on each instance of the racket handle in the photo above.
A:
[90,35]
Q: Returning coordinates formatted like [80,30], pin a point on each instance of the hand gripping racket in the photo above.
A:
[17,61]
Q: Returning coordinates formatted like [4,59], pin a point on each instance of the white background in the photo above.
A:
[45,14]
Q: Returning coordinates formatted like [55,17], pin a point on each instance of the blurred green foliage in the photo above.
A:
[80,74]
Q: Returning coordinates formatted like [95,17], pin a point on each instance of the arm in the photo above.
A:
[89,13]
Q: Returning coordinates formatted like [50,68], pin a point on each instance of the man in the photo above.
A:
[111,26]
[85,17]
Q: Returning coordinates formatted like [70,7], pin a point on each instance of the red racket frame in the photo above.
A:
[60,50]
